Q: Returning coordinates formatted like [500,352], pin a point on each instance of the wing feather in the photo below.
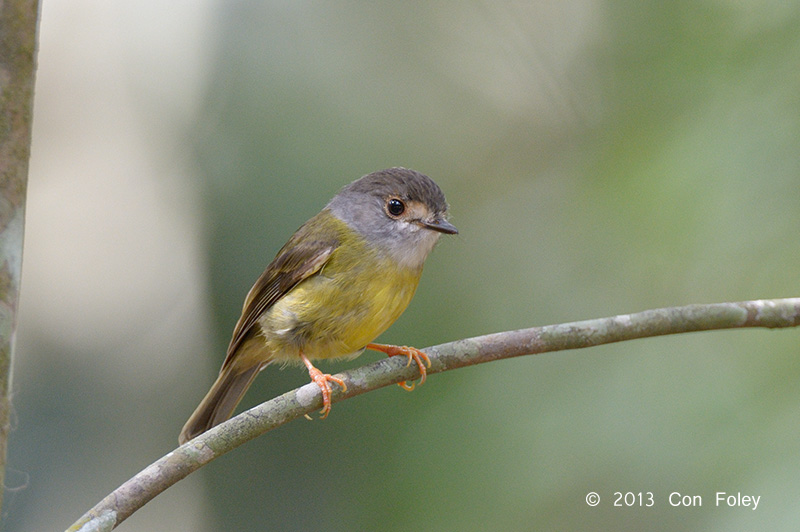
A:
[299,259]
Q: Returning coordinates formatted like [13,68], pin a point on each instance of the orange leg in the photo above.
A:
[321,380]
[412,353]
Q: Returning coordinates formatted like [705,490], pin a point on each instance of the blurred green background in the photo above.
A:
[599,158]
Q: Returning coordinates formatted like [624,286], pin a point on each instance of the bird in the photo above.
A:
[339,282]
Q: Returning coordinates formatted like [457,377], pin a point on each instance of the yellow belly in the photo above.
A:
[338,311]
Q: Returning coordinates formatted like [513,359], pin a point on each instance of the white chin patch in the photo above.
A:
[417,245]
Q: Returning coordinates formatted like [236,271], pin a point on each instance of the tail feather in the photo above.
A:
[220,401]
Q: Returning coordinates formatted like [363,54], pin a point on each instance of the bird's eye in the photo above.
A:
[395,207]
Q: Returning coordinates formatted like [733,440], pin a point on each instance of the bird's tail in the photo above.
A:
[220,401]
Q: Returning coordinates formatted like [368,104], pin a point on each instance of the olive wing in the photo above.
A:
[299,259]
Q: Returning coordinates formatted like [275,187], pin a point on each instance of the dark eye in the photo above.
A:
[395,207]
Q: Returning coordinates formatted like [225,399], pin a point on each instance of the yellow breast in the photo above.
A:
[356,296]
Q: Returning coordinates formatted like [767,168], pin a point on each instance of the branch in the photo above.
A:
[17,72]
[189,457]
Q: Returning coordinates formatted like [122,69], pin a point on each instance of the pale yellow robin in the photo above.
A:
[340,281]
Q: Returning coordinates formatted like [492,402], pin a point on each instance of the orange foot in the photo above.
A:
[321,380]
[412,353]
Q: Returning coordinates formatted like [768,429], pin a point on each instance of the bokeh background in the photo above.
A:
[600,157]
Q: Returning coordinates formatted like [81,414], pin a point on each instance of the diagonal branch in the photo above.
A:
[160,475]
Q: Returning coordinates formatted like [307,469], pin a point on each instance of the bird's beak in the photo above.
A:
[441,225]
